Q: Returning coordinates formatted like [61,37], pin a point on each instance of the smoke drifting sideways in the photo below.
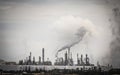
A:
[83,36]
[79,35]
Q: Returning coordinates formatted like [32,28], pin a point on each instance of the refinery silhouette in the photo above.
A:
[61,66]
[62,61]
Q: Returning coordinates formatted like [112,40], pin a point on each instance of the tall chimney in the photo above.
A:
[78,60]
[43,55]
[39,60]
[81,59]
[66,59]
[30,57]
[33,60]
[69,56]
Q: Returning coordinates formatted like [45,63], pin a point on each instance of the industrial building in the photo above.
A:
[30,61]
[67,60]
[29,64]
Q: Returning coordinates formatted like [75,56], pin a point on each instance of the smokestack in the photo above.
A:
[33,60]
[39,60]
[69,56]
[87,59]
[82,59]
[43,55]
[30,57]
[77,58]
[66,60]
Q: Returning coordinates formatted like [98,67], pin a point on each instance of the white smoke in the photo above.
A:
[79,35]
[98,38]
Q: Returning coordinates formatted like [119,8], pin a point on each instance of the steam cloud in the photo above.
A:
[80,34]
[94,38]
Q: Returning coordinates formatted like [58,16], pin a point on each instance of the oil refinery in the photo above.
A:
[66,65]
[67,60]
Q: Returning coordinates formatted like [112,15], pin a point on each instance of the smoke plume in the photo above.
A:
[79,35]
[83,36]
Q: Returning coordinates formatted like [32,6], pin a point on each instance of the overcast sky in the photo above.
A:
[30,25]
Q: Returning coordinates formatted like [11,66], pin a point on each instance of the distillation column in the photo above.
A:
[43,55]
[69,56]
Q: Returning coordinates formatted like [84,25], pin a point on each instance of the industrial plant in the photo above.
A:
[67,60]
[29,61]
[61,66]
[64,64]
